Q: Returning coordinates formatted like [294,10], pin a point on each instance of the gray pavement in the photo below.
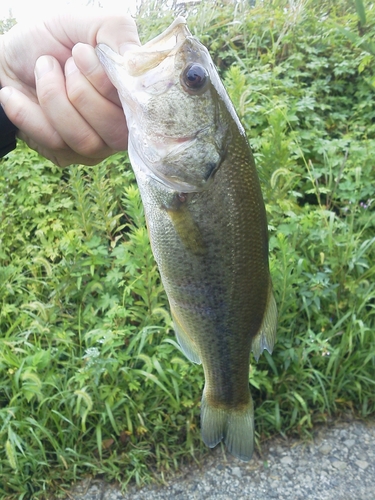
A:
[339,464]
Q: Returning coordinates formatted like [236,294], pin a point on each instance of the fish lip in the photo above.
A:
[178,27]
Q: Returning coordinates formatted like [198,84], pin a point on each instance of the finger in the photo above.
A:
[57,35]
[89,65]
[37,132]
[93,27]
[60,157]
[103,115]
[61,114]
[29,118]
[21,46]
[118,34]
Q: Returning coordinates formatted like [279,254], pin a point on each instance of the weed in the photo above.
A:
[91,378]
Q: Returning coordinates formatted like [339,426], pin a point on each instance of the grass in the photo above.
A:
[91,378]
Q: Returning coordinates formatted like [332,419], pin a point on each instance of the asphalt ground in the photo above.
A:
[338,464]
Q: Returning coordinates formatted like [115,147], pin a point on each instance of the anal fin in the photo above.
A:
[266,337]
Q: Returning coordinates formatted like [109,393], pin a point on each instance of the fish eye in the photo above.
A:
[194,76]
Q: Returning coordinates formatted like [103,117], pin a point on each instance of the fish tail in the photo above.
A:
[234,427]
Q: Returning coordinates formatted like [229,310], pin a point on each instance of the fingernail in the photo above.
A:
[70,66]
[43,65]
[5,93]
[86,58]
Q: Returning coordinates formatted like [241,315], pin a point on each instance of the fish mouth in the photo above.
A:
[178,31]
[142,59]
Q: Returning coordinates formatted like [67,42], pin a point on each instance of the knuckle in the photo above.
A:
[17,115]
[119,142]
[77,96]
[88,144]
[48,92]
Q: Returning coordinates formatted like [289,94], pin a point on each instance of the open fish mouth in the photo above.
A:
[138,61]
[152,53]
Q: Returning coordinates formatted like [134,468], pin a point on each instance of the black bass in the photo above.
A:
[206,219]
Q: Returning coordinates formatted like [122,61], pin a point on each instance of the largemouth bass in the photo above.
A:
[206,219]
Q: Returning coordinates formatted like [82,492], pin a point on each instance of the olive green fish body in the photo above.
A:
[207,225]
[218,284]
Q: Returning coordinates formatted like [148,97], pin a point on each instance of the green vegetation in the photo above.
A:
[91,378]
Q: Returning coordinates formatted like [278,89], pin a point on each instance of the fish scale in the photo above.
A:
[206,219]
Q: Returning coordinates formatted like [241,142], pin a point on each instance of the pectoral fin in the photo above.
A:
[266,337]
[186,228]
[186,343]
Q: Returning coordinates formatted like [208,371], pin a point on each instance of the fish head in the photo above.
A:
[178,113]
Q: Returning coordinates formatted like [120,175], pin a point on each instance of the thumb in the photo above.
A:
[93,26]
[120,33]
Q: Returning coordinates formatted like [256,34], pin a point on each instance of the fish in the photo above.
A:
[205,216]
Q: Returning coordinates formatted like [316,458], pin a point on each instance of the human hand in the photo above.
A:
[74,117]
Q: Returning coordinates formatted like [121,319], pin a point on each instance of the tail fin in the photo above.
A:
[235,427]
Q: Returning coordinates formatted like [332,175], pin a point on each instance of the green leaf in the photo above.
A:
[360,11]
